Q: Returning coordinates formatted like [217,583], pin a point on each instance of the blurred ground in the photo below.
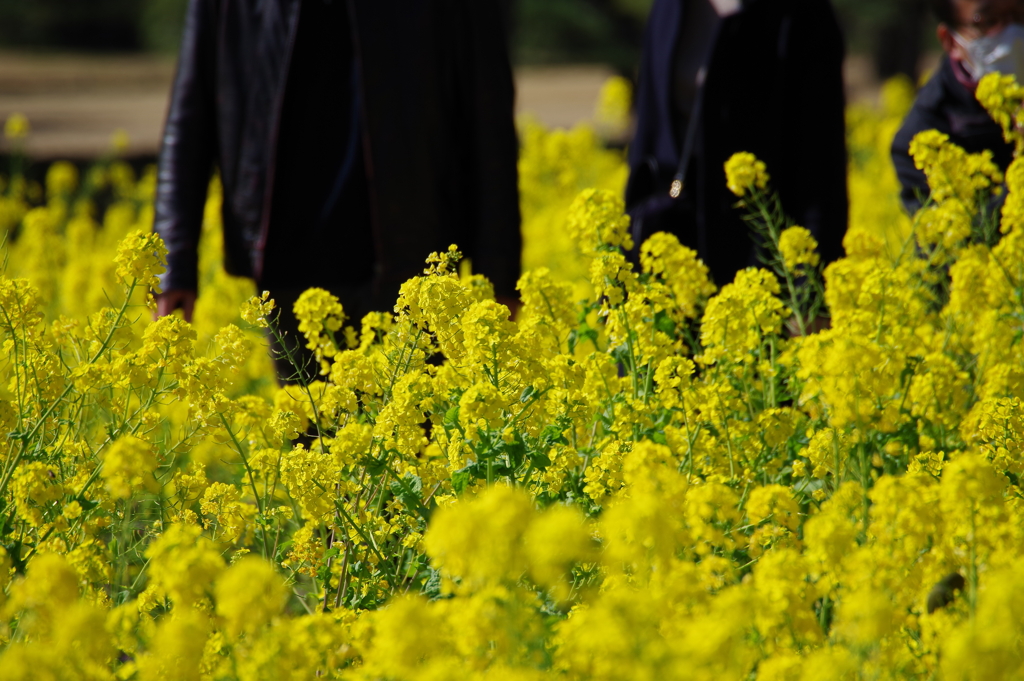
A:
[74,102]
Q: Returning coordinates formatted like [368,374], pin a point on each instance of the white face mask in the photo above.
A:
[1002,52]
[726,8]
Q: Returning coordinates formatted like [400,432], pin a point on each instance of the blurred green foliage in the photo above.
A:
[161,22]
[71,24]
[542,31]
[101,25]
[893,32]
[579,31]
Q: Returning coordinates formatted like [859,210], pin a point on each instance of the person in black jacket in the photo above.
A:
[946,103]
[763,76]
[352,138]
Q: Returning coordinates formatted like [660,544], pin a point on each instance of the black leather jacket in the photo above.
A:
[440,143]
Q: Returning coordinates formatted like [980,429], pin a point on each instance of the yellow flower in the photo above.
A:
[35,487]
[773,502]
[16,127]
[249,594]
[988,645]
[597,220]
[140,258]
[614,104]
[396,654]
[183,565]
[119,141]
[737,319]
[320,318]
[129,466]
[744,172]
[553,541]
[952,173]
[487,335]
[679,267]
[257,309]
[1003,97]
[480,408]
[547,300]
[72,511]
[777,425]
[177,648]
[798,248]
[61,179]
[50,586]
[479,540]
[223,503]
[308,473]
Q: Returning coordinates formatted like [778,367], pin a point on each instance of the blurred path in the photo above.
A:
[559,96]
[74,102]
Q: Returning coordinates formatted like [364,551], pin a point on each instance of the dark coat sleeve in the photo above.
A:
[923,115]
[654,143]
[497,243]
[914,189]
[945,105]
[913,182]
[816,192]
[188,148]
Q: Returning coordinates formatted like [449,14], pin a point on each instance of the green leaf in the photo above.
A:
[664,323]
[459,480]
[86,504]
[515,450]
[14,553]
[410,491]
[552,435]
[451,417]
[540,460]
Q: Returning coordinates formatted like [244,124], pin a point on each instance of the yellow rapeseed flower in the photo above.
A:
[249,594]
[129,467]
[798,248]
[745,172]
[16,127]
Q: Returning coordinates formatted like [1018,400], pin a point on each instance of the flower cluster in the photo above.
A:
[743,172]
[650,479]
[1003,97]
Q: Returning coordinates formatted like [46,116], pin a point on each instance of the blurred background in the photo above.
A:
[80,70]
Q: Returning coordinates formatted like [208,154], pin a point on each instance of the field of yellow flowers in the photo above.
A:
[640,477]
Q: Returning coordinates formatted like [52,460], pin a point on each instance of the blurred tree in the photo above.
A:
[566,31]
[161,24]
[638,9]
[71,24]
[894,32]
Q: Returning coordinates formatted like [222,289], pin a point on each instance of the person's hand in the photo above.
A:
[169,301]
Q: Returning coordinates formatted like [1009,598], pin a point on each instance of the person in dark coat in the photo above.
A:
[947,103]
[763,76]
[352,138]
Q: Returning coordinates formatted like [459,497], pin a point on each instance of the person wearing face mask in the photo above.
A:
[979,37]
[722,76]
